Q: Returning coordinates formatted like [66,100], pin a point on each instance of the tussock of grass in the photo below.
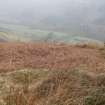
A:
[103,51]
[26,75]
[92,45]
[96,98]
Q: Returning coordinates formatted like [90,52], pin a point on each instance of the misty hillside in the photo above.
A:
[21,33]
[74,17]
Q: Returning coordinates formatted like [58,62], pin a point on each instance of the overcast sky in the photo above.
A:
[71,13]
[16,8]
[9,6]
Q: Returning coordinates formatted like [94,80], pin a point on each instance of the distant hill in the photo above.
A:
[19,33]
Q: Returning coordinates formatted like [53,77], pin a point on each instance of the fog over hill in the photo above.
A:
[85,17]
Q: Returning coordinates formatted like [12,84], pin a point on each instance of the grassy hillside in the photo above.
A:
[50,56]
[47,87]
[51,74]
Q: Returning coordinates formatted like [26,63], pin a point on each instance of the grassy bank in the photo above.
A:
[47,87]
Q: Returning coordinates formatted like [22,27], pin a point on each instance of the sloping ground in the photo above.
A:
[51,74]
[52,87]
[15,56]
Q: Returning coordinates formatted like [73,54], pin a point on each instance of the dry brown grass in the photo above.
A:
[15,56]
[103,51]
[46,87]
[74,75]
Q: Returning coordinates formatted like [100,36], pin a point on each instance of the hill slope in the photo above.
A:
[49,56]
[51,74]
